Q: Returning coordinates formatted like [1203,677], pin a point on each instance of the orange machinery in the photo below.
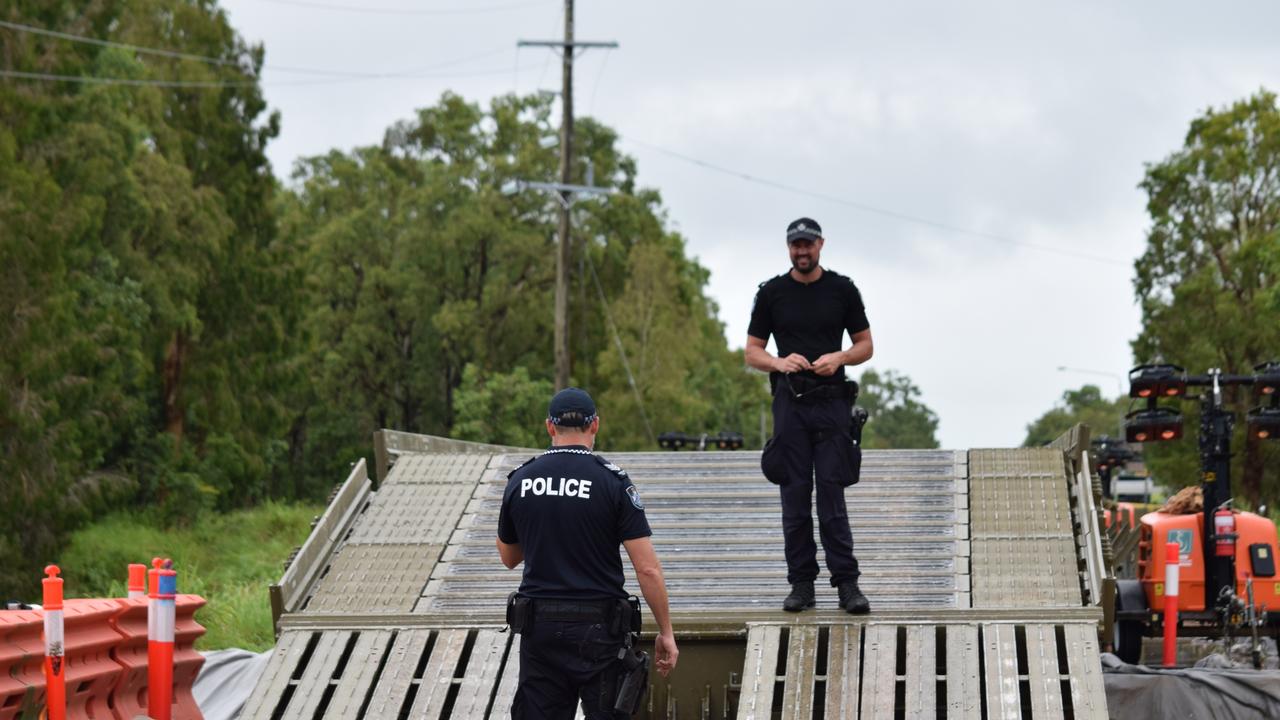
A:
[1226,558]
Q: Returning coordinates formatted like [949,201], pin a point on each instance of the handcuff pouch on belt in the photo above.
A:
[519,612]
[633,676]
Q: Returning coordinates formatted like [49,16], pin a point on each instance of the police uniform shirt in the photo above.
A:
[569,511]
[811,318]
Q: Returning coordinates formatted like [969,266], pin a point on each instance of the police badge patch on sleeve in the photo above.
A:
[635,497]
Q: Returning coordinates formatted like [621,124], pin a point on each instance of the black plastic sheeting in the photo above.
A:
[1205,692]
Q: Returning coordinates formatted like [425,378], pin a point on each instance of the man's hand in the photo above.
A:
[828,364]
[665,652]
[795,362]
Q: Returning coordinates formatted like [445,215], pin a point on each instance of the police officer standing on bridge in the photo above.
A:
[808,310]
[563,514]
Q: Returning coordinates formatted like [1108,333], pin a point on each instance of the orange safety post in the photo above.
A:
[1171,560]
[137,580]
[186,660]
[55,668]
[160,628]
[21,663]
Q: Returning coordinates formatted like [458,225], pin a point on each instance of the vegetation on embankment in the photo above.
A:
[228,559]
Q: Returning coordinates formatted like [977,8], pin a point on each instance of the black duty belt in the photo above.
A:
[569,610]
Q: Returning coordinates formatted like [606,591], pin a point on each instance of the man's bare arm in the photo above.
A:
[858,353]
[760,359]
[511,553]
[654,588]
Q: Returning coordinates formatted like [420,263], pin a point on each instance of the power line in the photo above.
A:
[622,351]
[70,37]
[872,209]
[591,106]
[108,43]
[140,82]
[89,80]
[401,11]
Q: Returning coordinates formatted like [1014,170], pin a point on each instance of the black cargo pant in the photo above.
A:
[564,661]
[808,431]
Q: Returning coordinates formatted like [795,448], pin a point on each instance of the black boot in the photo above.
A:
[852,599]
[801,597]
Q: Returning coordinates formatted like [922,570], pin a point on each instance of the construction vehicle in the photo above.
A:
[1227,563]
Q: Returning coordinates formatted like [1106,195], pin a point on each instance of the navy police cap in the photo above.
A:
[572,407]
[804,229]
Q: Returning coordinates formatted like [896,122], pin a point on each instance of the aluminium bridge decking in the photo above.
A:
[394,607]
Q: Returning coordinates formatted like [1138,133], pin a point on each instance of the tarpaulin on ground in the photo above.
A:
[1204,692]
[225,681]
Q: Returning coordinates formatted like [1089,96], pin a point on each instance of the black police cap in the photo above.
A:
[572,407]
[804,229]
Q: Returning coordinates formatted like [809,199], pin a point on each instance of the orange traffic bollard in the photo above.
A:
[160,626]
[55,669]
[137,580]
[1171,560]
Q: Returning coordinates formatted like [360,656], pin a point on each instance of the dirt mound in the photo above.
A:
[1189,500]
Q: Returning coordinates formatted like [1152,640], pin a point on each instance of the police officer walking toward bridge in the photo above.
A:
[563,514]
[808,310]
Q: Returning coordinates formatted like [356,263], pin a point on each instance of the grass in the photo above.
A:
[228,559]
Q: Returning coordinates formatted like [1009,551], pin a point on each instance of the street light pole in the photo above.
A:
[1120,379]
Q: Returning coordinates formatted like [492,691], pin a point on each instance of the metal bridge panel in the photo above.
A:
[922,671]
[1025,573]
[507,685]
[964,686]
[375,578]
[1004,701]
[844,672]
[317,675]
[1024,462]
[397,677]
[880,659]
[437,678]
[360,674]
[406,513]
[1088,693]
[483,670]
[1042,671]
[802,661]
[760,673]
[271,686]
[438,468]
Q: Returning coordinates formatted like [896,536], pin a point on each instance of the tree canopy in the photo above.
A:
[896,416]
[1209,280]
[148,310]
[1086,405]
[186,334]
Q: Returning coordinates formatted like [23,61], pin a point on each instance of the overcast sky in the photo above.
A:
[977,162]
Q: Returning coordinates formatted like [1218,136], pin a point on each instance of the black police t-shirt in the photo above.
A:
[569,513]
[809,319]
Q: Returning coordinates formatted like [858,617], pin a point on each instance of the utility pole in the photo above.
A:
[564,189]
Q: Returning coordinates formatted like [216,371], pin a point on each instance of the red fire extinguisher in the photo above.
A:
[1224,531]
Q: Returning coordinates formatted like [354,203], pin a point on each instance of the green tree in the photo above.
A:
[420,266]
[1207,282]
[1086,405]
[502,408]
[896,416]
[148,302]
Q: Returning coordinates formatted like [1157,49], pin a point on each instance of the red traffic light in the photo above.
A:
[1146,381]
[1264,423]
[1267,382]
[1153,425]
